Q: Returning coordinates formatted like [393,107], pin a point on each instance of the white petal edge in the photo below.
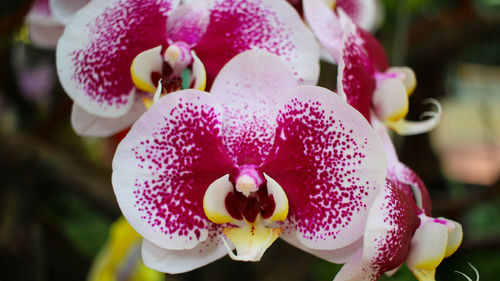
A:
[179,261]
[89,125]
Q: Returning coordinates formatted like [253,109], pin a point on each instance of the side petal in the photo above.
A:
[325,25]
[63,10]
[274,26]
[353,270]
[179,261]
[427,250]
[89,125]
[164,165]
[331,165]
[402,176]
[95,53]
[364,13]
[389,229]
[355,80]
[250,87]
[407,176]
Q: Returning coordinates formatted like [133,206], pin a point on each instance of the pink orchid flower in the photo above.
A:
[400,228]
[257,158]
[182,45]
[369,84]
[322,16]
[364,75]
[47,19]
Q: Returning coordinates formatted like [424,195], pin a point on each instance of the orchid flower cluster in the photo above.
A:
[232,145]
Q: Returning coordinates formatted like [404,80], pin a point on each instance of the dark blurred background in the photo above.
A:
[56,199]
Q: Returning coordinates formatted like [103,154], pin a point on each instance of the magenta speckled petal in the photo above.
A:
[249,88]
[274,26]
[389,229]
[355,78]
[364,13]
[179,261]
[164,165]
[63,10]
[392,220]
[361,58]
[86,124]
[331,165]
[188,23]
[326,26]
[97,48]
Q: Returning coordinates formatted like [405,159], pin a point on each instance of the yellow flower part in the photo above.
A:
[120,258]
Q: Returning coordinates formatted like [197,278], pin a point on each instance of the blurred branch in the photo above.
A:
[60,165]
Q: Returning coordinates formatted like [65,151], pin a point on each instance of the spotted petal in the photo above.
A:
[164,165]
[250,87]
[355,79]
[240,25]
[331,165]
[97,48]
[390,226]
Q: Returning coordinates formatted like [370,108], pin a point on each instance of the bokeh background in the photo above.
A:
[56,199]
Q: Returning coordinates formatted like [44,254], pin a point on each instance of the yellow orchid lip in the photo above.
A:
[250,241]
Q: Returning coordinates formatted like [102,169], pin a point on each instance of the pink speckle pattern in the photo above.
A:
[183,156]
[315,161]
[362,58]
[116,36]
[357,74]
[396,215]
[248,139]
[239,25]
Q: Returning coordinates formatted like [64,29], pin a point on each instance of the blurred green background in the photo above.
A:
[56,200]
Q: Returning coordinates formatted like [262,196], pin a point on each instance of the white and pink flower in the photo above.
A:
[159,40]
[323,18]
[47,18]
[369,84]
[400,228]
[257,158]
